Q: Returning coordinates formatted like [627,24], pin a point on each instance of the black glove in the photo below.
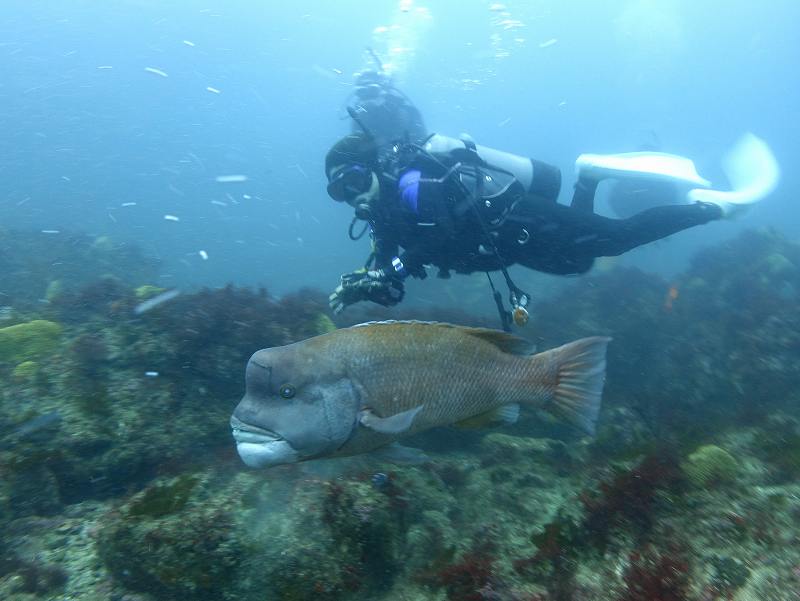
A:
[361,285]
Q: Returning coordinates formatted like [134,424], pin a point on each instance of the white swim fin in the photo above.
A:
[640,165]
[752,171]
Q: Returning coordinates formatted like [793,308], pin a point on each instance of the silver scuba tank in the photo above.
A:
[538,178]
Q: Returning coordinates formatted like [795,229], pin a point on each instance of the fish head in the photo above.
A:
[297,405]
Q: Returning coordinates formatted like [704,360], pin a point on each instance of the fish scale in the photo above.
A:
[360,388]
[452,374]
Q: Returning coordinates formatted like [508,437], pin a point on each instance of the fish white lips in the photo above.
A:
[240,435]
[262,448]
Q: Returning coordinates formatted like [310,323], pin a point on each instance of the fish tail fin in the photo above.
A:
[580,375]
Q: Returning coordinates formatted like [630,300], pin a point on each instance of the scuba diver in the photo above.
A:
[431,200]
[384,110]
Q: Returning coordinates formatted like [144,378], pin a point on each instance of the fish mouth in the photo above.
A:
[259,447]
[243,432]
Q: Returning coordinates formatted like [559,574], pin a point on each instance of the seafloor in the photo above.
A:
[119,480]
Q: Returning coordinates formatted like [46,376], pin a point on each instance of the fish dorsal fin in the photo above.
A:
[508,343]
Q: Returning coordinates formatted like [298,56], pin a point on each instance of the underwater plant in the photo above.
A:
[710,464]
[30,262]
[629,498]
[160,544]
[657,576]
[28,341]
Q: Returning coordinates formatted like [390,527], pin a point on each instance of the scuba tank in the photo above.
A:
[539,179]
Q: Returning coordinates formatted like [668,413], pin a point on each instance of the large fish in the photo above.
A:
[361,388]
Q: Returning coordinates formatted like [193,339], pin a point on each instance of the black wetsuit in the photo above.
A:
[534,232]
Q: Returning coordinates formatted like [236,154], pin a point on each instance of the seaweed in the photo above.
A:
[657,576]
[164,499]
[630,497]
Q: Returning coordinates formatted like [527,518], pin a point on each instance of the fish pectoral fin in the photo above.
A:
[507,414]
[394,424]
[397,453]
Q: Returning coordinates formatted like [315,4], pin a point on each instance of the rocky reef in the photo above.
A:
[118,478]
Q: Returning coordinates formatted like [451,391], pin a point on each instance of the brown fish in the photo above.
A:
[357,389]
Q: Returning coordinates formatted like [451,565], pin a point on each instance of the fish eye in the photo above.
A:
[286,391]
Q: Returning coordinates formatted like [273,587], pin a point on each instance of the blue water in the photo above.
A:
[86,128]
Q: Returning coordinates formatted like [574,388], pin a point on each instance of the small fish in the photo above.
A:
[214,90]
[172,218]
[203,255]
[358,389]
[155,71]
[380,481]
[38,423]
[672,296]
[227,179]
[152,303]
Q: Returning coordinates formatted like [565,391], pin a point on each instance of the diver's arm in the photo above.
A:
[382,285]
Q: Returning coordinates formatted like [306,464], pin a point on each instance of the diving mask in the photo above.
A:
[348,181]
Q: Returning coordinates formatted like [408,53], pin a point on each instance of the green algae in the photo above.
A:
[28,341]
[710,464]
[165,499]
[147,291]
[25,371]
[54,290]
[173,549]
[324,324]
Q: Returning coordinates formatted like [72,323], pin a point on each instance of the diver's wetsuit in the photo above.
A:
[566,240]
[537,233]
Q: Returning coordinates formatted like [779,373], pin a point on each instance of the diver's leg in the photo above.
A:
[583,197]
[604,237]
[562,240]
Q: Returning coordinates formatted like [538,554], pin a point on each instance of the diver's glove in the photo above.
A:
[362,285]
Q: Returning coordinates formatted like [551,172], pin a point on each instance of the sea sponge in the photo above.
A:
[28,341]
[710,464]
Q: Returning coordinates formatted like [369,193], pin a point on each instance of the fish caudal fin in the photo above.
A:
[581,373]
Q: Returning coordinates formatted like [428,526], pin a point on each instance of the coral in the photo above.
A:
[28,341]
[709,465]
